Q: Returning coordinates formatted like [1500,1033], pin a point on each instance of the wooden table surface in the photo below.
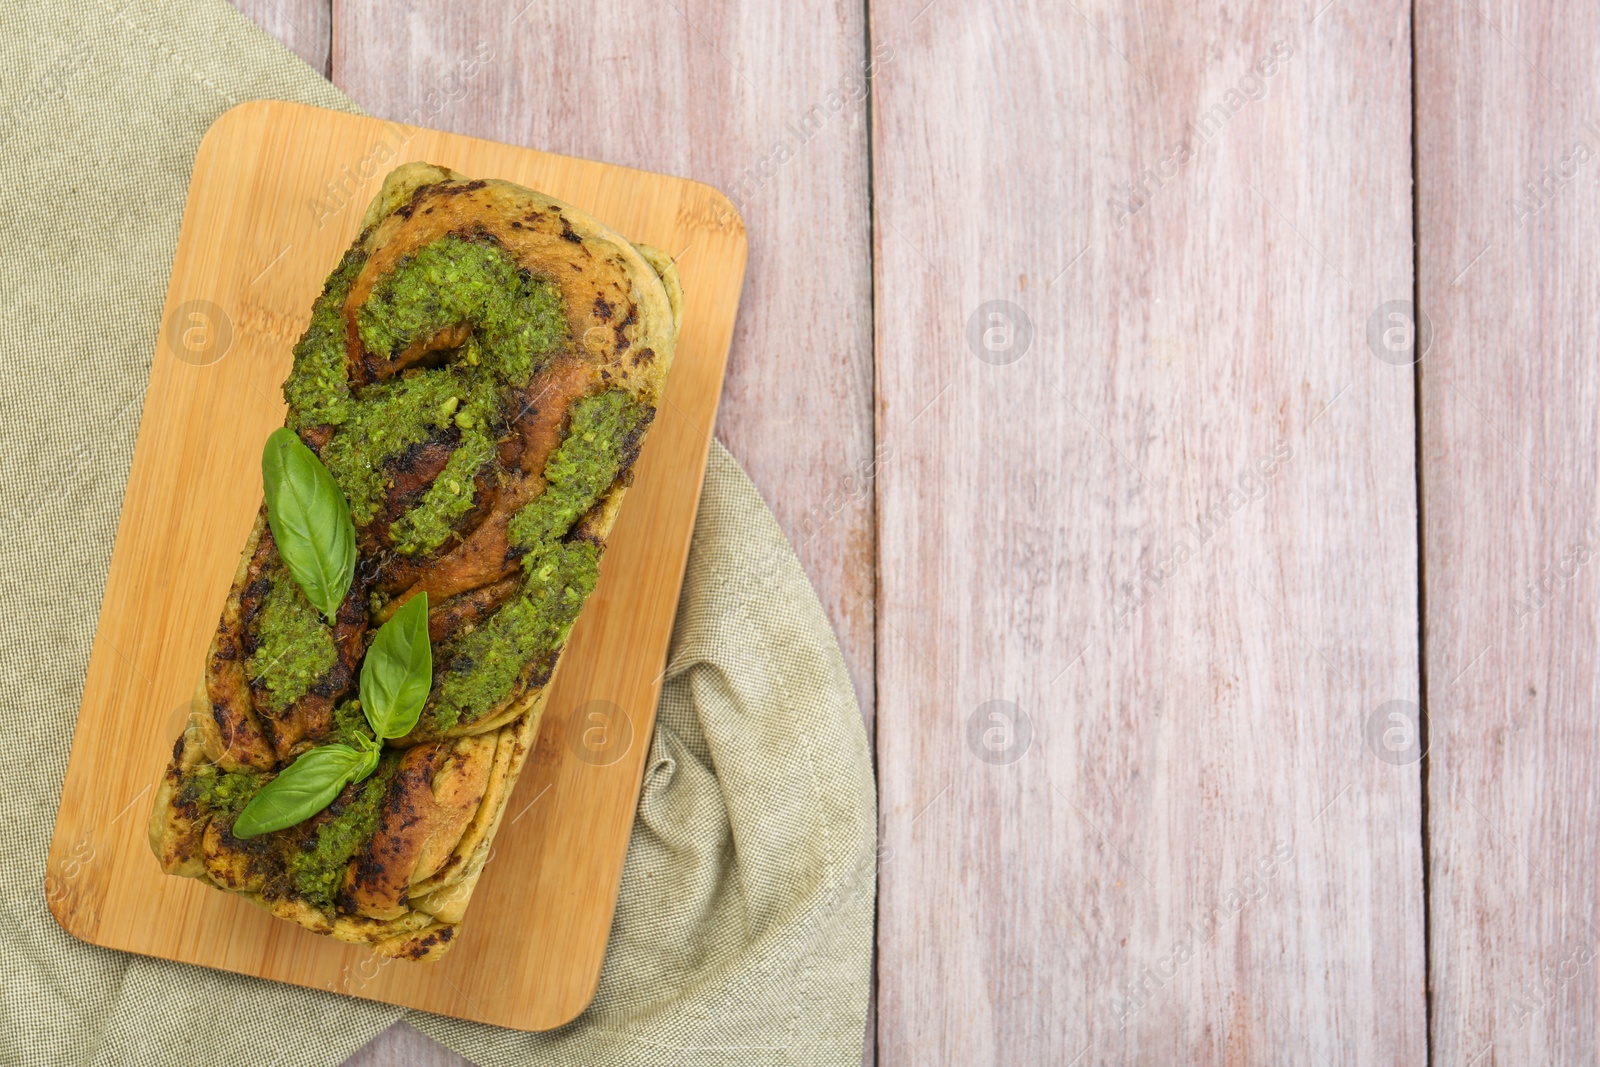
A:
[1227,626]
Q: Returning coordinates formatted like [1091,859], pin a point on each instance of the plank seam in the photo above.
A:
[1425,764]
[870,1040]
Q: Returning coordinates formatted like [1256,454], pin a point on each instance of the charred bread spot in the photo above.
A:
[602,309]
[568,233]
[622,339]
[257,584]
[632,444]
[538,673]
[250,604]
[422,946]
[367,569]
[587,537]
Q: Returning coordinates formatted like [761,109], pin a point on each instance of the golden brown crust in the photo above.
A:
[457,793]
[434,794]
[234,738]
[452,616]
[176,829]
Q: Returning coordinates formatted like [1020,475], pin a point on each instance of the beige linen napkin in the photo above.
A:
[744,928]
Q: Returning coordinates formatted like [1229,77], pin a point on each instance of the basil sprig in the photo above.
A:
[395,678]
[310,520]
[305,787]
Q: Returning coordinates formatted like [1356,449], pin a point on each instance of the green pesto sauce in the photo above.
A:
[294,645]
[483,666]
[349,724]
[318,389]
[515,316]
[425,526]
[579,470]
[217,792]
[317,871]
[392,416]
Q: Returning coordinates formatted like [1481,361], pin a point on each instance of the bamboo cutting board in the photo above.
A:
[277,195]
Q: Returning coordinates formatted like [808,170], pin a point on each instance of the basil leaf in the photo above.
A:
[303,788]
[310,520]
[398,671]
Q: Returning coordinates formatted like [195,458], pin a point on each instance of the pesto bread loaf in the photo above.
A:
[477,377]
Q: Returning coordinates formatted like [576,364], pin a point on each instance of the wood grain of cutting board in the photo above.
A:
[277,195]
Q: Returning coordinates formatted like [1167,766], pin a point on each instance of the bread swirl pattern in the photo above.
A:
[478,376]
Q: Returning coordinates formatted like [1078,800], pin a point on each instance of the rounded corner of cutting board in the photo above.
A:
[727,211]
[245,111]
[574,1006]
[64,921]
[70,919]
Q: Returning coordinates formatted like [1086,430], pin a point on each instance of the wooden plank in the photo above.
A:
[302,26]
[1148,538]
[1508,149]
[736,95]
[402,1046]
[277,195]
